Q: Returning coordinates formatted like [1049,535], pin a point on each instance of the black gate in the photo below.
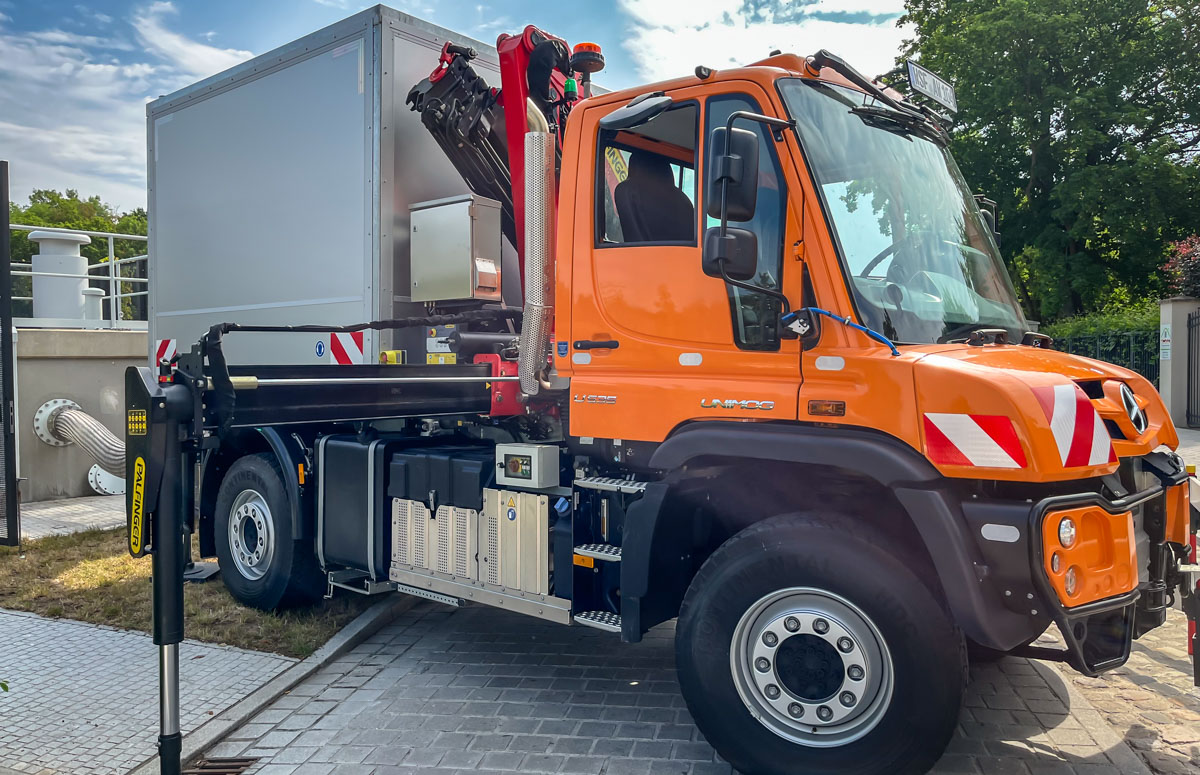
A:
[1193,377]
[10,533]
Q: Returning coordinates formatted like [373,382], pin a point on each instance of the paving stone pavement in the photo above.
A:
[478,689]
[1151,701]
[84,698]
[71,515]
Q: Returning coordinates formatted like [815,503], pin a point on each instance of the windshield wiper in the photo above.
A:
[900,123]
[974,333]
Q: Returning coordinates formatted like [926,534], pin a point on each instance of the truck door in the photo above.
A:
[649,340]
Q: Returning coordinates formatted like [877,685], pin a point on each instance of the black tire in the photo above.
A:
[289,574]
[828,555]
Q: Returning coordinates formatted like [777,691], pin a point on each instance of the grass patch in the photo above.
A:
[90,577]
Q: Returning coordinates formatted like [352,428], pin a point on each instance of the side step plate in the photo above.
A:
[611,484]
[606,552]
[601,620]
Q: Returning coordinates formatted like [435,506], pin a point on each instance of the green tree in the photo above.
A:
[1082,120]
[68,211]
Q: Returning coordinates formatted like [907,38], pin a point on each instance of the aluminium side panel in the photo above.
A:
[414,168]
[262,198]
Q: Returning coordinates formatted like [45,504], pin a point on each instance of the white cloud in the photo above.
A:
[668,38]
[84,41]
[73,116]
[192,57]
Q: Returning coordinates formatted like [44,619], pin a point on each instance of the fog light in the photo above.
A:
[1055,562]
[1072,581]
[1066,532]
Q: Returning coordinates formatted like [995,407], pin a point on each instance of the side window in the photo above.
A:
[646,181]
[754,314]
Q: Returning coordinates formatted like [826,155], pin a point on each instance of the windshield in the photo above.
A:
[923,265]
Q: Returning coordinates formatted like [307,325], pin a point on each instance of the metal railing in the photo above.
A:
[118,283]
[1135,350]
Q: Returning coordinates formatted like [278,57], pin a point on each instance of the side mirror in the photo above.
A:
[732,174]
[987,208]
[736,252]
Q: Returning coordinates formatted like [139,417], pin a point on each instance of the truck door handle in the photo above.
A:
[596,344]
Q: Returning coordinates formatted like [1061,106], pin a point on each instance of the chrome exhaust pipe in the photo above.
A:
[539,246]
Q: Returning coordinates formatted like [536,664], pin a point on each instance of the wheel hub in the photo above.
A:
[251,534]
[811,667]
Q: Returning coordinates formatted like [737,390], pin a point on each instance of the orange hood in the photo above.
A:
[1030,414]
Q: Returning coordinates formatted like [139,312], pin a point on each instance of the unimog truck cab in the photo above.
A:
[769,378]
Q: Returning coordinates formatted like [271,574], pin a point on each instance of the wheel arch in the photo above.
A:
[703,501]
[288,454]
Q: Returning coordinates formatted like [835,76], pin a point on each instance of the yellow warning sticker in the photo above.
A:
[137,422]
[441,359]
[137,520]
[511,501]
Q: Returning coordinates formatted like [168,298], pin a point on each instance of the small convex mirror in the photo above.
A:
[736,170]
[638,111]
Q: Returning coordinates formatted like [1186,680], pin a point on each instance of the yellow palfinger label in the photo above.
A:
[136,509]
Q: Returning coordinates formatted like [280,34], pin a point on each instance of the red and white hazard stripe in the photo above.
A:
[166,350]
[345,349]
[982,440]
[1079,432]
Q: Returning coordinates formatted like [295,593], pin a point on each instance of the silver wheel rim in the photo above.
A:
[251,534]
[811,667]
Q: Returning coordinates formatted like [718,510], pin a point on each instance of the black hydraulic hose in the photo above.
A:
[76,425]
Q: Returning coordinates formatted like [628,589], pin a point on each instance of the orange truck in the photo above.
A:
[768,378]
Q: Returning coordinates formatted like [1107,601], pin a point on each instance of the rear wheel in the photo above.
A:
[802,647]
[261,564]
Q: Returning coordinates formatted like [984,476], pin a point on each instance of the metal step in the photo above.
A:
[611,484]
[606,552]
[601,620]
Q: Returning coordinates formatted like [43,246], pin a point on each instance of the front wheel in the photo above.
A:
[805,647]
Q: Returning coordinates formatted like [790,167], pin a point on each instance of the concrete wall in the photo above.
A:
[1174,368]
[85,366]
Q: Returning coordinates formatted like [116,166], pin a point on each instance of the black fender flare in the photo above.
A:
[925,495]
[288,453]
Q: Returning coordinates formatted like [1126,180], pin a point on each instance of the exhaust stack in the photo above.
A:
[539,242]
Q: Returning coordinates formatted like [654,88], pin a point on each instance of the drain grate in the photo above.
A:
[233,765]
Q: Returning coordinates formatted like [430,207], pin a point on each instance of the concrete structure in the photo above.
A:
[85,366]
[58,253]
[1173,354]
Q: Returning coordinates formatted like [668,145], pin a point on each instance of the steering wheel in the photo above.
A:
[889,250]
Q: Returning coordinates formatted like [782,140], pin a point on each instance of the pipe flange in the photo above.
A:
[46,412]
[105,483]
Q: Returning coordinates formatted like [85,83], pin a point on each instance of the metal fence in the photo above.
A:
[1134,350]
[120,278]
[10,533]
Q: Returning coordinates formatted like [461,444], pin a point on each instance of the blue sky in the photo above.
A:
[75,76]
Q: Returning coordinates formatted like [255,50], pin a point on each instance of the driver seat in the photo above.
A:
[650,206]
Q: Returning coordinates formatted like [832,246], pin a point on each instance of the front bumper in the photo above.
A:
[1098,631]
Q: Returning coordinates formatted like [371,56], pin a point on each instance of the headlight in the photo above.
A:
[1066,532]
[1072,581]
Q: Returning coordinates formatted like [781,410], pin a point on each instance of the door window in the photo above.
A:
[755,315]
[646,181]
